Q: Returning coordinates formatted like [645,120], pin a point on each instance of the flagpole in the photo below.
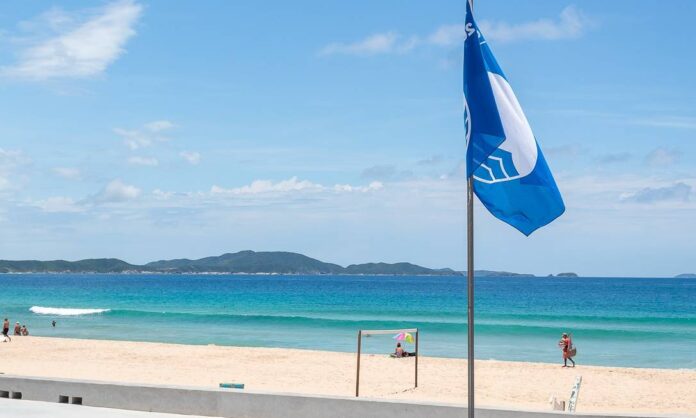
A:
[538,205]
[470,290]
[470,284]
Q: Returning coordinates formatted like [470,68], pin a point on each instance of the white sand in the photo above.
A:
[499,383]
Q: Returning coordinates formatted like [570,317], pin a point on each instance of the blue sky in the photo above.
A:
[157,129]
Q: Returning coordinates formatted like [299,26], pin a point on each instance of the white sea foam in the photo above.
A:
[42,310]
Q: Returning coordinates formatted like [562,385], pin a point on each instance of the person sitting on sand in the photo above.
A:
[6,330]
[399,350]
[24,330]
[17,329]
[566,345]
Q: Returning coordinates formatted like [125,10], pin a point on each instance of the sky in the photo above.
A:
[148,130]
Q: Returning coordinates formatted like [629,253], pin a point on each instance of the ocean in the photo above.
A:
[636,322]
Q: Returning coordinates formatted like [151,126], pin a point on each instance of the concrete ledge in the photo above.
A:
[38,409]
[237,403]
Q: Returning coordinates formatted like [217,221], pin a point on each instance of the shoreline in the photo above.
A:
[501,384]
[219,273]
[224,273]
[350,352]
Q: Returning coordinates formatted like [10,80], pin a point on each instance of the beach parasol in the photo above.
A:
[404,336]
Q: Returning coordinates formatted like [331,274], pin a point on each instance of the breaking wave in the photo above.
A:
[42,310]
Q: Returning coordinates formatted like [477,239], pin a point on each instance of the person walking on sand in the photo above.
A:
[566,345]
[6,330]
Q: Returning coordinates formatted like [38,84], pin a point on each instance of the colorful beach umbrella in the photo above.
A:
[404,336]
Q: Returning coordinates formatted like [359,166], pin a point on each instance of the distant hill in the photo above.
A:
[100,265]
[249,262]
[396,268]
[685,276]
[277,262]
[252,262]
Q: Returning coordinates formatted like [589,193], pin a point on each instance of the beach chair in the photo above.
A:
[556,404]
[573,401]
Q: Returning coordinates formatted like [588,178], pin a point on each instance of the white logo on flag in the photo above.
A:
[467,121]
[516,157]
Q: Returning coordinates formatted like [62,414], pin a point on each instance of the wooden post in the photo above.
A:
[357,377]
[416,357]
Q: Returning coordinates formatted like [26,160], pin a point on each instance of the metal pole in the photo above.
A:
[357,377]
[416,357]
[470,290]
[470,284]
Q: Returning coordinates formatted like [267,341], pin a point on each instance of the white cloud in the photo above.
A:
[570,24]
[133,139]
[567,151]
[384,172]
[191,156]
[59,204]
[85,49]
[117,191]
[162,195]
[10,161]
[616,192]
[447,35]
[4,183]
[69,173]
[373,186]
[146,161]
[432,160]
[267,186]
[678,192]
[379,172]
[159,125]
[118,199]
[615,157]
[660,157]
[11,158]
[144,137]
[378,43]
[293,184]
[679,122]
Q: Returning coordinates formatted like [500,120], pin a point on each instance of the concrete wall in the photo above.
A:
[235,403]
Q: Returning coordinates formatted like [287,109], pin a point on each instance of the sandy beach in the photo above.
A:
[499,383]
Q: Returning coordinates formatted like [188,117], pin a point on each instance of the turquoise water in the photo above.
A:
[621,322]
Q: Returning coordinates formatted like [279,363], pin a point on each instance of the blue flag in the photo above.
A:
[511,177]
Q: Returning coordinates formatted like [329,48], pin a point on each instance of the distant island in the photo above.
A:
[685,276]
[243,262]
[569,274]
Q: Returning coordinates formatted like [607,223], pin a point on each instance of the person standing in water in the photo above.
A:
[566,345]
